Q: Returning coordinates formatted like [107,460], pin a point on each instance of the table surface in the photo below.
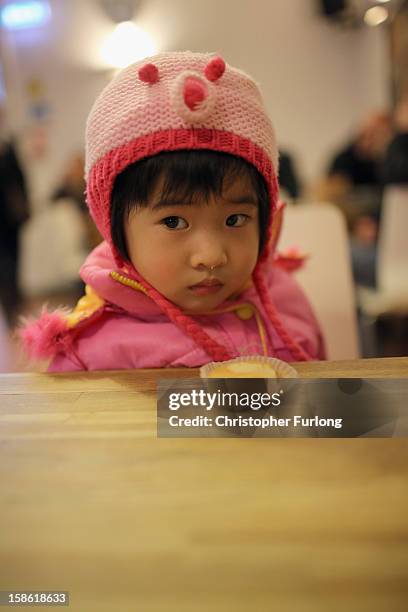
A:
[92,502]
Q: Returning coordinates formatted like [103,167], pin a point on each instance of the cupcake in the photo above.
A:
[253,374]
[254,366]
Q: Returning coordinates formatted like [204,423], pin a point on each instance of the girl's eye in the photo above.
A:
[174,223]
[237,220]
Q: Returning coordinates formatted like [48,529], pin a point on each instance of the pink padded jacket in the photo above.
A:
[117,326]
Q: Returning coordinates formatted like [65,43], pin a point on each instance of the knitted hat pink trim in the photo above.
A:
[104,172]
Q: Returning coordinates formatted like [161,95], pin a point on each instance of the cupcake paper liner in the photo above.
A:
[248,385]
[282,369]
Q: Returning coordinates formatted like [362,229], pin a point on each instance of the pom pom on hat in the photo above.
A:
[194,92]
[215,69]
[149,73]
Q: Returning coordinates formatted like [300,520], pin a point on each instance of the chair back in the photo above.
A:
[319,231]
[392,274]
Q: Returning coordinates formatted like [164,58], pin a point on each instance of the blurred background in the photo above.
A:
[334,74]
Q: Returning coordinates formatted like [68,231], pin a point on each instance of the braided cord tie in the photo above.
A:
[297,351]
[187,324]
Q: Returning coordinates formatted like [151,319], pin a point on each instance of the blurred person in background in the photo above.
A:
[72,187]
[288,179]
[354,177]
[72,184]
[355,182]
[14,212]
[395,171]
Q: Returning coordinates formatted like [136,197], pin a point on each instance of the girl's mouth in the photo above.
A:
[207,287]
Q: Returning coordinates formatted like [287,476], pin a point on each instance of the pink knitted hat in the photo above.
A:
[169,102]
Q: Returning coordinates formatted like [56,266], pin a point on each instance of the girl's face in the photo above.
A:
[196,254]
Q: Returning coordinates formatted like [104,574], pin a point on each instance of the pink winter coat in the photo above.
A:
[119,326]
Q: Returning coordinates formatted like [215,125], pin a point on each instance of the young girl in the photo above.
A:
[181,169]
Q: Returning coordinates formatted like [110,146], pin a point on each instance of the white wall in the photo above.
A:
[318,80]
[69,90]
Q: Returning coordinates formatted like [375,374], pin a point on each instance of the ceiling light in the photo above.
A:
[24,15]
[376,15]
[128,43]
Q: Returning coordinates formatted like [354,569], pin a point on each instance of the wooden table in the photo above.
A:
[92,502]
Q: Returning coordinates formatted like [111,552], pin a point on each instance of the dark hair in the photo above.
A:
[187,174]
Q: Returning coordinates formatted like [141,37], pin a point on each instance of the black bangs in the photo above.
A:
[192,174]
[187,175]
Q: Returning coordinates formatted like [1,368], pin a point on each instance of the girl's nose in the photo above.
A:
[209,255]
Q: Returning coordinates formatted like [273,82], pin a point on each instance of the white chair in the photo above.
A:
[53,248]
[391,295]
[319,231]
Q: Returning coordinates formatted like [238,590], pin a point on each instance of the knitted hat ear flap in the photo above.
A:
[187,324]
[298,353]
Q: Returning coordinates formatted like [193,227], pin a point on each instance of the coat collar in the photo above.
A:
[121,288]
